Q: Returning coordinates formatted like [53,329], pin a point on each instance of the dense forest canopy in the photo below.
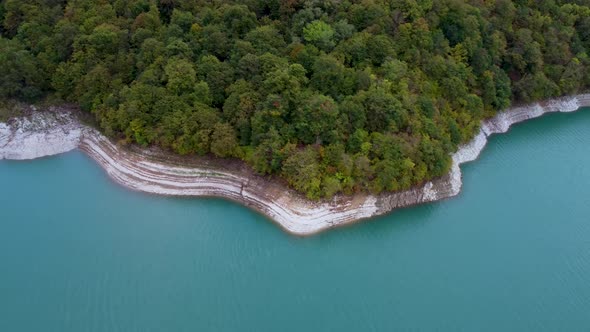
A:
[332,95]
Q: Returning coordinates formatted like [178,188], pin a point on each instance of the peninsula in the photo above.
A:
[149,170]
[316,113]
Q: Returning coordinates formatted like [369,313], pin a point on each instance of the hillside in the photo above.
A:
[333,96]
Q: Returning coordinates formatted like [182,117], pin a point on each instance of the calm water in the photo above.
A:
[79,253]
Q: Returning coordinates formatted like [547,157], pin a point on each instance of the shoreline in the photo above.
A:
[48,133]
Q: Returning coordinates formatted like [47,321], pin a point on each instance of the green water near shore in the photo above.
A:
[512,252]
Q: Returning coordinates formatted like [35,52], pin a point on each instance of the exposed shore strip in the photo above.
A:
[49,133]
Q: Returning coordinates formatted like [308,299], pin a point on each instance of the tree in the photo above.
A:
[268,155]
[105,39]
[151,49]
[21,77]
[224,142]
[303,172]
[315,119]
[180,76]
[214,41]
[383,110]
[239,107]
[433,155]
[330,77]
[330,186]
[286,81]
[319,34]
[238,19]
[266,39]
[218,76]
[380,48]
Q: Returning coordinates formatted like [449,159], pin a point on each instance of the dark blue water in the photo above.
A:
[512,252]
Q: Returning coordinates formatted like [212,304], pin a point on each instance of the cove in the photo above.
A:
[511,252]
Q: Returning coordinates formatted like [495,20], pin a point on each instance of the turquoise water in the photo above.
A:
[512,252]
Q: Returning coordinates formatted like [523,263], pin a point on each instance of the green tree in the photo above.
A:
[266,39]
[303,172]
[180,76]
[218,76]
[224,142]
[320,34]
[21,77]
[268,155]
[315,119]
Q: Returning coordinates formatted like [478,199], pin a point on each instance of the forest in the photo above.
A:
[331,96]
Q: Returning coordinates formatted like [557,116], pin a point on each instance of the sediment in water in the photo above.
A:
[51,132]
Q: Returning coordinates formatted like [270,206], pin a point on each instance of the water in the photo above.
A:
[80,253]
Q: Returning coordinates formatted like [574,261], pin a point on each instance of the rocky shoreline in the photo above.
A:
[50,132]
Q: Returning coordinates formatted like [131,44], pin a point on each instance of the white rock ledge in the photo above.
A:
[50,132]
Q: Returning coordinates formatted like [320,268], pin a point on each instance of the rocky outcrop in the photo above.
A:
[51,132]
[39,134]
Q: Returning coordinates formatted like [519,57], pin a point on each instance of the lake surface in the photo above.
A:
[511,253]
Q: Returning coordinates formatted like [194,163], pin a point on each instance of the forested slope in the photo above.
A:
[332,95]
